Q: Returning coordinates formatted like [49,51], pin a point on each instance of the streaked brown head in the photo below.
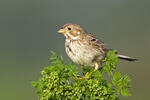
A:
[72,31]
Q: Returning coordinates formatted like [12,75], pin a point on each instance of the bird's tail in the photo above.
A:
[126,57]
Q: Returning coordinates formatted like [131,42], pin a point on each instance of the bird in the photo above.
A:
[84,48]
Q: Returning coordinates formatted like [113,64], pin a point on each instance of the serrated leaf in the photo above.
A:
[60,81]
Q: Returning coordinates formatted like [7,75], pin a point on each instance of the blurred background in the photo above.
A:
[28,32]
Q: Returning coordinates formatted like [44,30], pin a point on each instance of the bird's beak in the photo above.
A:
[62,31]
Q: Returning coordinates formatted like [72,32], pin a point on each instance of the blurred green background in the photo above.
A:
[28,32]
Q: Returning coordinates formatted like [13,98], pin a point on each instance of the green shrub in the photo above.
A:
[59,81]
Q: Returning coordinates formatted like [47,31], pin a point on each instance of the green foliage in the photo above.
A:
[61,81]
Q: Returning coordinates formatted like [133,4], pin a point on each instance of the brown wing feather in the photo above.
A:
[97,43]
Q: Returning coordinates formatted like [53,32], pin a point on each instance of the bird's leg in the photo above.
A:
[84,77]
[96,66]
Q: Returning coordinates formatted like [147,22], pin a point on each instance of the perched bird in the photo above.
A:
[83,48]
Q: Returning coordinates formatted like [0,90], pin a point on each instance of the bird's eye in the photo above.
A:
[69,28]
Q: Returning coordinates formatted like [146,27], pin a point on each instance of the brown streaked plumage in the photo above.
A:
[83,48]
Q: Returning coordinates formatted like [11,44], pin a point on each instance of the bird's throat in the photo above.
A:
[70,36]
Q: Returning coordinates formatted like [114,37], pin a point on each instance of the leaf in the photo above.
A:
[59,81]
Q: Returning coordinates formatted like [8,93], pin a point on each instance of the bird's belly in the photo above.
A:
[81,55]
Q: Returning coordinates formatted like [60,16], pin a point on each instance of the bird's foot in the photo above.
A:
[84,77]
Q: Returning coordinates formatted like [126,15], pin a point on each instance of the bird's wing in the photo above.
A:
[98,44]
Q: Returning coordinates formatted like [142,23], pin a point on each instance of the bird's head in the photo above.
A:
[72,31]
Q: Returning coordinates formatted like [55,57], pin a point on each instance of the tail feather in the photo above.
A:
[126,57]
